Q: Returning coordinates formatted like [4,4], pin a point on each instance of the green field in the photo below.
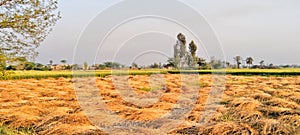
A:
[244,72]
[100,73]
[10,75]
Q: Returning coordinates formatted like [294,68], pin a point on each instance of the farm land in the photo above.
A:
[34,102]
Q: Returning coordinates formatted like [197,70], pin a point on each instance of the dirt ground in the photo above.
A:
[249,105]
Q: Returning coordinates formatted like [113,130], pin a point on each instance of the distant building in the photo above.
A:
[60,67]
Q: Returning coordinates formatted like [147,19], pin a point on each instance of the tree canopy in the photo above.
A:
[183,58]
[249,61]
[193,48]
[24,24]
[238,60]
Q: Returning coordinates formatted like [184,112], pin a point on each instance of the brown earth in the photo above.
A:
[249,105]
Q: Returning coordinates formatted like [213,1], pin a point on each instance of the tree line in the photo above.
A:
[183,58]
[24,24]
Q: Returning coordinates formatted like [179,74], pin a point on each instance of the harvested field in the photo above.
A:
[250,105]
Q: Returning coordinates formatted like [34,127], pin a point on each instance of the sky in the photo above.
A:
[144,31]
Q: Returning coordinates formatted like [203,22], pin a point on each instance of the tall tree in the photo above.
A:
[182,43]
[24,24]
[193,50]
[238,60]
[181,57]
[85,66]
[249,61]
[262,63]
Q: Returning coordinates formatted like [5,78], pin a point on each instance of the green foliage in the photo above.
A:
[227,117]
[63,61]
[182,59]
[24,24]
[216,64]
[113,65]
[249,61]
[51,62]
[145,89]
[243,72]
[85,66]
[11,75]
[154,65]
[182,45]
[2,63]
[101,66]
[262,64]
[192,58]
[4,130]
[153,88]
[238,60]
[134,65]
[193,49]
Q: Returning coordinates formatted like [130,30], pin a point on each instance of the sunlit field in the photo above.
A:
[102,73]
[47,104]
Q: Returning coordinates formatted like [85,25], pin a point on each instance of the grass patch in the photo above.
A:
[226,117]
[145,89]
[16,75]
[4,130]
[243,72]
[153,88]
[224,103]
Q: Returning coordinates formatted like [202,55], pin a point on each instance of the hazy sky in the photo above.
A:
[266,30]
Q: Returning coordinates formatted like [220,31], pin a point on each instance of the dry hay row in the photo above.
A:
[251,105]
[263,106]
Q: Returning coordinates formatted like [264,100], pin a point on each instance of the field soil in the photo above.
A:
[248,105]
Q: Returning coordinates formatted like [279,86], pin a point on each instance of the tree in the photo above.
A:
[183,58]
[262,63]
[39,66]
[101,66]
[216,64]
[114,65]
[134,65]
[154,65]
[64,66]
[193,49]
[85,66]
[271,65]
[182,52]
[21,62]
[227,64]
[238,60]
[75,67]
[24,24]
[249,61]
[171,63]
[63,61]
[201,61]
[51,62]
[29,65]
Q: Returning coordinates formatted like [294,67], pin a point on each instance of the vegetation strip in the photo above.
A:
[102,73]
[245,73]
